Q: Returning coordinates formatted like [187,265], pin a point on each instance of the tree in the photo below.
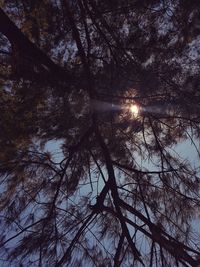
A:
[69,72]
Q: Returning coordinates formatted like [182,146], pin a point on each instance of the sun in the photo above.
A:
[134,109]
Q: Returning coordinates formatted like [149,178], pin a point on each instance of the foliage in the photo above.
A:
[83,181]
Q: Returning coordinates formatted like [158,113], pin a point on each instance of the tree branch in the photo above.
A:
[25,47]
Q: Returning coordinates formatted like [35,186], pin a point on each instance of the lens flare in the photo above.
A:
[134,109]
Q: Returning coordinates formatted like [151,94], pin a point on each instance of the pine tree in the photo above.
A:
[85,181]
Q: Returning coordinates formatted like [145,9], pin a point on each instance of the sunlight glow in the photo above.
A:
[134,109]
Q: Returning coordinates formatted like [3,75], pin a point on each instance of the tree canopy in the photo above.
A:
[83,180]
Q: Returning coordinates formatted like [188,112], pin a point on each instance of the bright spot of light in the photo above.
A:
[134,109]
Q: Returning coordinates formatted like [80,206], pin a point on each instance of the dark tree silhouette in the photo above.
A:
[84,182]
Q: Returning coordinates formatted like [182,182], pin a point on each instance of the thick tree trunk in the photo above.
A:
[23,47]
